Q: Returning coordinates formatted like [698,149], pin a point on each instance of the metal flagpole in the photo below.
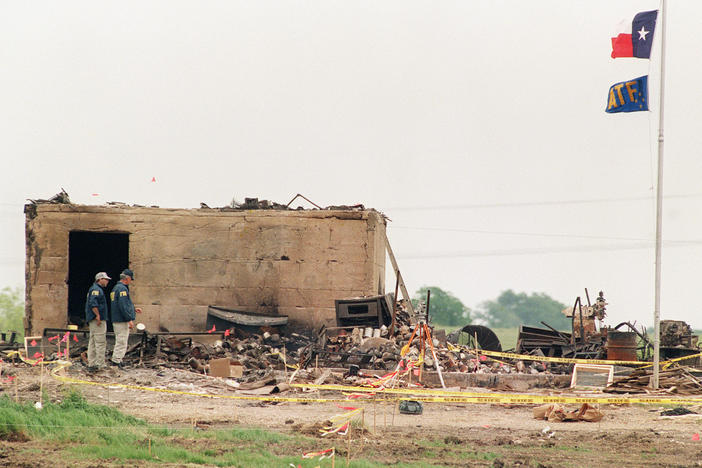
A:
[659,213]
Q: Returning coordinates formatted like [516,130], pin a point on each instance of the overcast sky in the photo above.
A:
[478,128]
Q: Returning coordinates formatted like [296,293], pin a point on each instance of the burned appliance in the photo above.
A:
[370,311]
[678,341]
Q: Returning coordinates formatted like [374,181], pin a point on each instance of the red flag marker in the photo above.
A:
[33,343]
[695,436]
[65,337]
[10,378]
[37,355]
[347,408]
[226,332]
[213,329]
[75,337]
[52,338]
[153,179]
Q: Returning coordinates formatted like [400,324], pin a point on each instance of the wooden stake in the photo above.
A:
[285,365]
[41,379]
[333,457]
[394,405]
[422,344]
[16,391]
[348,446]
[363,425]
[149,447]
[373,417]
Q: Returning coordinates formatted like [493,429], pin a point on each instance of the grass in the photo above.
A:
[85,431]
[63,421]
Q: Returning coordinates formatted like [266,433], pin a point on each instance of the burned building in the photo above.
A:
[274,261]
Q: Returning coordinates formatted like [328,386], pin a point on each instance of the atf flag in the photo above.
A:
[634,39]
[628,96]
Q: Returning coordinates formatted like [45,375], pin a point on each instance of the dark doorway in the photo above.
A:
[88,254]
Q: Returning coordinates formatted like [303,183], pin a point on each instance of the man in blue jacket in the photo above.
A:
[96,318]
[123,315]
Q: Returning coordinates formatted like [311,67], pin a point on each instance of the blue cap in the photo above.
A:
[128,272]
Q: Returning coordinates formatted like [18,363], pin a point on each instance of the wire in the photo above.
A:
[583,201]
[538,250]
[514,233]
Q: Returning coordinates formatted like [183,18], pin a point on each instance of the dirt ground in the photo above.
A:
[497,435]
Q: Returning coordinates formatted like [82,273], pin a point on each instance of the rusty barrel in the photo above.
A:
[621,346]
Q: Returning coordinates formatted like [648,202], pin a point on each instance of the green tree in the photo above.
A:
[512,309]
[444,307]
[12,310]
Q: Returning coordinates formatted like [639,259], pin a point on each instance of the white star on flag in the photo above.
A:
[642,33]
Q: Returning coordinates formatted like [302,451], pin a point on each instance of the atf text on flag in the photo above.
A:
[628,96]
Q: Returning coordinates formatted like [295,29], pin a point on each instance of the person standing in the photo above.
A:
[123,315]
[96,318]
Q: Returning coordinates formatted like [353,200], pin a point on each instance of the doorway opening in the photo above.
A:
[88,254]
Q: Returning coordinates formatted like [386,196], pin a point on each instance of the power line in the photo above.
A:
[541,250]
[583,201]
[516,233]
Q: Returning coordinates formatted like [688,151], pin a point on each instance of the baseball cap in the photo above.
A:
[128,272]
[102,275]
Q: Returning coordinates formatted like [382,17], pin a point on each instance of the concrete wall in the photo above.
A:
[291,263]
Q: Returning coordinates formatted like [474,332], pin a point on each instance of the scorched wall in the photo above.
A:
[293,263]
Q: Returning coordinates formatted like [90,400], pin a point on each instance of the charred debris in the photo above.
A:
[376,335]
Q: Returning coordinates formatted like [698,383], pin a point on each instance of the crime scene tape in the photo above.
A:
[393,394]
[444,397]
[482,398]
[477,397]
[529,357]
[668,362]
[203,395]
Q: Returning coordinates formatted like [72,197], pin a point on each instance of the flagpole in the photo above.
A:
[659,215]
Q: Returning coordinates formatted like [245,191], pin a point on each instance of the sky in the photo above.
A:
[477,127]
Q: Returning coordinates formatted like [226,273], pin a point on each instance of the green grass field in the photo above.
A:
[83,431]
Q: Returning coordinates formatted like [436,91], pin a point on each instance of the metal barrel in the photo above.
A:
[621,346]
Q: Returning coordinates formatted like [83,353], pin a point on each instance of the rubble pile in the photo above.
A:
[384,352]
[268,350]
[679,379]
[258,353]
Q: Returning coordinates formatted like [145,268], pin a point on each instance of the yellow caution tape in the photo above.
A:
[529,357]
[535,399]
[282,358]
[476,397]
[395,394]
[204,395]
[446,397]
[667,363]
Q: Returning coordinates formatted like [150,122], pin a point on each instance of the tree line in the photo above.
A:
[12,310]
[508,310]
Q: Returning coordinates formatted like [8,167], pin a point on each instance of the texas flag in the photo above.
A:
[635,38]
